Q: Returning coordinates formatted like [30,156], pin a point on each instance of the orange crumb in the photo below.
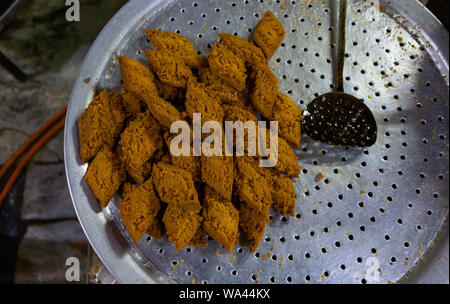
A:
[319,176]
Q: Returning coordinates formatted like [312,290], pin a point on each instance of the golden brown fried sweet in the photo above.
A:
[104,175]
[252,187]
[287,160]
[181,225]
[198,100]
[235,113]
[137,78]
[131,104]
[282,190]
[100,124]
[162,156]
[217,173]
[219,94]
[227,66]
[175,186]
[268,34]
[139,81]
[288,115]
[175,44]
[168,92]
[139,209]
[156,229]
[199,239]
[225,92]
[190,163]
[263,90]
[127,187]
[163,111]
[247,51]
[252,225]
[138,142]
[221,219]
[169,68]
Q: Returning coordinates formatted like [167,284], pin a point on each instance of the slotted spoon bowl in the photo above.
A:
[375,212]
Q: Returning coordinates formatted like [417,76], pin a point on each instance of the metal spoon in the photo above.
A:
[339,118]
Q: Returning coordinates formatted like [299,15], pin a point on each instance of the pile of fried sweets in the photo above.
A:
[125,139]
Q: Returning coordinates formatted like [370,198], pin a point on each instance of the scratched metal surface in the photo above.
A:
[377,209]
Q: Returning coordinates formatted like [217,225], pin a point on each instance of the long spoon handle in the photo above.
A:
[341,46]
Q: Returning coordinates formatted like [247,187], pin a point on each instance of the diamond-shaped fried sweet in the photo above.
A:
[269,33]
[220,219]
[175,186]
[227,66]
[252,225]
[169,68]
[217,173]
[198,100]
[104,175]
[139,208]
[288,115]
[100,124]
[252,187]
[181,225]
[263,90]
[176,44]
[138,142]
[247,51]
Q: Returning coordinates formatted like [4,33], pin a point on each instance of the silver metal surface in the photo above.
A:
[376,211]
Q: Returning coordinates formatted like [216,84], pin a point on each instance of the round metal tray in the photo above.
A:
[376,211]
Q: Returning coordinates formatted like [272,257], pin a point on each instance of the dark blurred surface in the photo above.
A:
[4,6]
[440,10]
[11,230]
[38,226]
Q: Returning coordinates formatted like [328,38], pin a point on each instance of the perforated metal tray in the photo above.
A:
[376,211]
